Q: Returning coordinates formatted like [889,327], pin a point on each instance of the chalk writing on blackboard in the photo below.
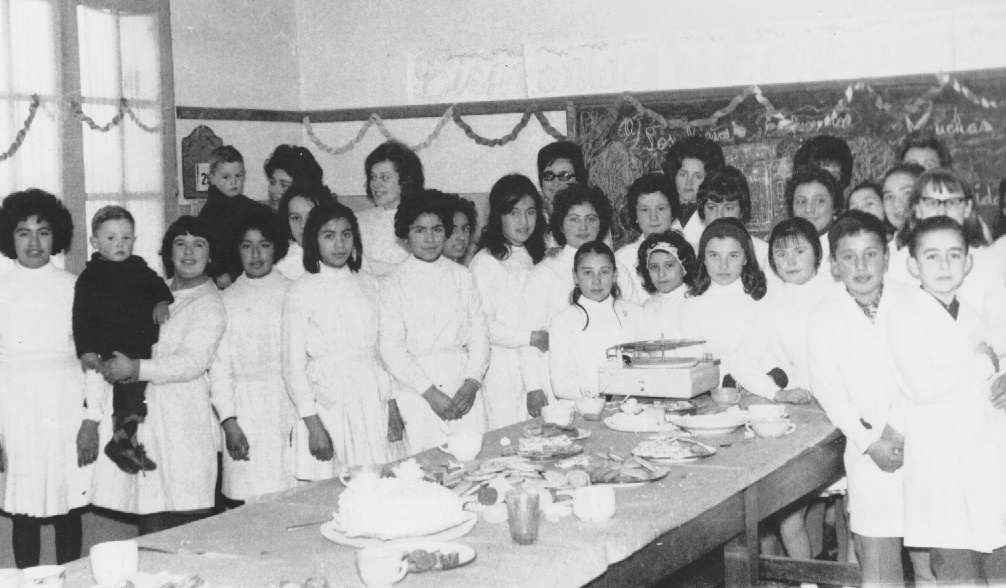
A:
[470,76]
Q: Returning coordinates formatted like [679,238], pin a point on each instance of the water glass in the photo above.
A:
[522,514]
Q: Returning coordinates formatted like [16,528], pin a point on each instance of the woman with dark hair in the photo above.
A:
[814,194]
[180,433]
[581,214]
[667,264]
[433,336]
[559,165]
[653,205]
[924,149]
[512,242]
[724,193]
[687,162]
[465,219]
[287,166]
[246,378]
[330,363]
[294,208]
[831,154]
[394,175]
[47,444]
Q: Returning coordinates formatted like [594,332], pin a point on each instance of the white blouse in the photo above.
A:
[719,316]
[292,265]
[661,311]
[382,250]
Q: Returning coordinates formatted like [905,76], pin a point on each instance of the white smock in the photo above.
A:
[579,338]
[433,333]
[719,316]
[181,433]
[292,264]
[955,475]
[382,250]
[628,256]
[546,293]
[331,369]
[246,382]
[661,313]
[777,337]
[41,394]
[500,283]
[852,377]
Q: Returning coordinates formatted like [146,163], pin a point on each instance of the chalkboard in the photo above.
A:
[761,130]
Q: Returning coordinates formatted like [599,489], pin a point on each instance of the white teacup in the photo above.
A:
[590,407]
[113,561]
[558,414]
[11,578]
[771,427]
[44,576]
[380,567]
[766,412]
[463,445]
[594,504]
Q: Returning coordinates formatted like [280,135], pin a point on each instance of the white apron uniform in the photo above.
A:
[433,333]
[500,284]
[719,316]
[331,369]
[382,251]
[575,354]
[246,381]
[662,312]
[852,378]
[545,294]
[955,476]
[181,433]
[292,265]
[628,256]
[41,394]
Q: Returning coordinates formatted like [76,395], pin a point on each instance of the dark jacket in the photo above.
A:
[113,307]
[225,215]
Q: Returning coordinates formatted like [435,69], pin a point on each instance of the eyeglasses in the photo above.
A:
[561,176]
[955,202]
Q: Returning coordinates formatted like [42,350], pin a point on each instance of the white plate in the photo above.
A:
[328,531]
[466,555]
[712,424]
[616,423]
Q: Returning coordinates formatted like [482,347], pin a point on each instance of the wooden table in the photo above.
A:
[659,529]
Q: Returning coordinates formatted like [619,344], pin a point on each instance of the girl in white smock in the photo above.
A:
[433,336]
[41,384]
[668,267]
[512,242]
[246,377]
[330,361]
[580,215]
[595,320]
[394,173]
[651,202]
[294,208]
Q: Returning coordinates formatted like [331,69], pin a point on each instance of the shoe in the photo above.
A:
[140,454]
[118,451]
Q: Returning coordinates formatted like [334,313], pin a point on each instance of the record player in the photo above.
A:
[658,369]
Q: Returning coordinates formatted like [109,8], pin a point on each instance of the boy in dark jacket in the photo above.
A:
[227,208]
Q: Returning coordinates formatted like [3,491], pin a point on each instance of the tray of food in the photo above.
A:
[673,450]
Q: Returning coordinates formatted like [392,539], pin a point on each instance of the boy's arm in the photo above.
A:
[155,288]
[85,320]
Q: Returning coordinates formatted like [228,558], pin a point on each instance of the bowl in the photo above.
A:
[560,415]
[590,408]
[712,424]
[771,428]
[726,396]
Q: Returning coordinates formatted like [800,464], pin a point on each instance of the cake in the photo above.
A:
[393,508]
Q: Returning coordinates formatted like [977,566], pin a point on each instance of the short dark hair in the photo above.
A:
[197,227]
[866,185]
[575,194]
[791,228]
[925,140]
[265,221]
[932,225]
[693,147]
[320,216]
[823,149]
[686,255]
[20,206]
[110,213]
[314,193]
[649,184]
[224,154]
[504,196]
[949,181]
[752,276]
[562,150]
[810,174]
[854,222]
[406,162]
[464,206]
[726,184]
[429,202]
[296,161]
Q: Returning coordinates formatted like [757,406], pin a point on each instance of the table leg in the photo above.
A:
[740,555]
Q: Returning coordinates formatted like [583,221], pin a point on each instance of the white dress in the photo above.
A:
[546,293]
[500,284]
[955,475]
[719,316]
[577,347]
[852,377]
[246,381]
[382,250]
[331,368]
[292,265]
[181,433]
[628,256]
[433,333]
[777,337]
[41,394]
[662,312]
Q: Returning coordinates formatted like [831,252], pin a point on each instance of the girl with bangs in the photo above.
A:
[668,265]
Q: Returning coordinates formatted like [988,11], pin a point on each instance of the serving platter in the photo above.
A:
[330,531]
[712,424]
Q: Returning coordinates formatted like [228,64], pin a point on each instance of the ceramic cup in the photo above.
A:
[463,445]
[11,578]
[590,408]
[726,396]
[380,567]
[771,427]
[594,504]
[766,412]
[44,576]
[114,561]
[558,414]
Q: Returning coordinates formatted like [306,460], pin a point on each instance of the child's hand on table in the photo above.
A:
[161,313]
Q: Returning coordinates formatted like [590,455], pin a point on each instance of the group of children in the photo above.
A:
[360,338]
